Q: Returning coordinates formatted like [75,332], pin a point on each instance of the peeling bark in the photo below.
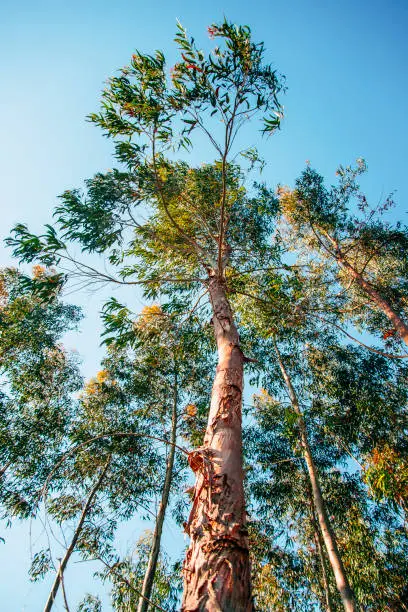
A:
[329,539]
[217,566]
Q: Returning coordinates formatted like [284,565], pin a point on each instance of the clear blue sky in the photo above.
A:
[345,64]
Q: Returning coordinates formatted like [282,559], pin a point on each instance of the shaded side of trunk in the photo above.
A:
[148,581]
[379,301]
[319,548]
[217,567]
[71,547]
[326,587]
[343,586]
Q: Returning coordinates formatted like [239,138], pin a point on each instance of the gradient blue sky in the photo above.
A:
[345,64]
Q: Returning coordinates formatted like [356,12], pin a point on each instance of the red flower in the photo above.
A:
[211,31]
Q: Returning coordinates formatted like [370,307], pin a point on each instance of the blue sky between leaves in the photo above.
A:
[345,67]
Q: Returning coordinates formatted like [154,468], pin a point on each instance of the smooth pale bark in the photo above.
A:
[71,547]
[329,539]
[64,595]
[319,548]
[326,587]
[148,580]
[217,568]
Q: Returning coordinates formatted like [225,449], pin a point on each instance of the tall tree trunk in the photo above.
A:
[217,568]
[325,580]
[320,551]
[155,550]
[379,301]
[71,547]
[343,586]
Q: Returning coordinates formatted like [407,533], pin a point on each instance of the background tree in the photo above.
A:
[371,537]
[176,358]
[167,584]
[336,229]
[38,378]
[106,473]
[153,379]
[318,506]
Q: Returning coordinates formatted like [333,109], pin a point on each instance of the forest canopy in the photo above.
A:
[292,494]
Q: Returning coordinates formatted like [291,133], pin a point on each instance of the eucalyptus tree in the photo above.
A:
[318,502]
[106,473]
[176,357]
[372,542]
[174,228]
[282,503]
[273,312]
[342,390]
[366,257]
[127,576]
[154,378]
[38,378]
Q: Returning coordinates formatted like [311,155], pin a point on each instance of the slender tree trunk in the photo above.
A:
[71,547]
[4,469]
[319,547]
[64,595]
[217,568]
[343,586]
[326,586]
[398,323]
[155,550]
[379,301]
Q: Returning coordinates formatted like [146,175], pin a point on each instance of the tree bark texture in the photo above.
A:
[71,547]
[148,581]
[329,539]
[217,566]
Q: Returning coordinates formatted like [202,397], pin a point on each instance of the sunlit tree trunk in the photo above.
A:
[329,539]
[71,547]
[217,567]
[148,581]
[379,301]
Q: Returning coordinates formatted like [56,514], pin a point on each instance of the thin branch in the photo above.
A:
[112,569]
[72,545]
[119,434]
[199,251]
[190,312]
[343,331]
[64,594]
